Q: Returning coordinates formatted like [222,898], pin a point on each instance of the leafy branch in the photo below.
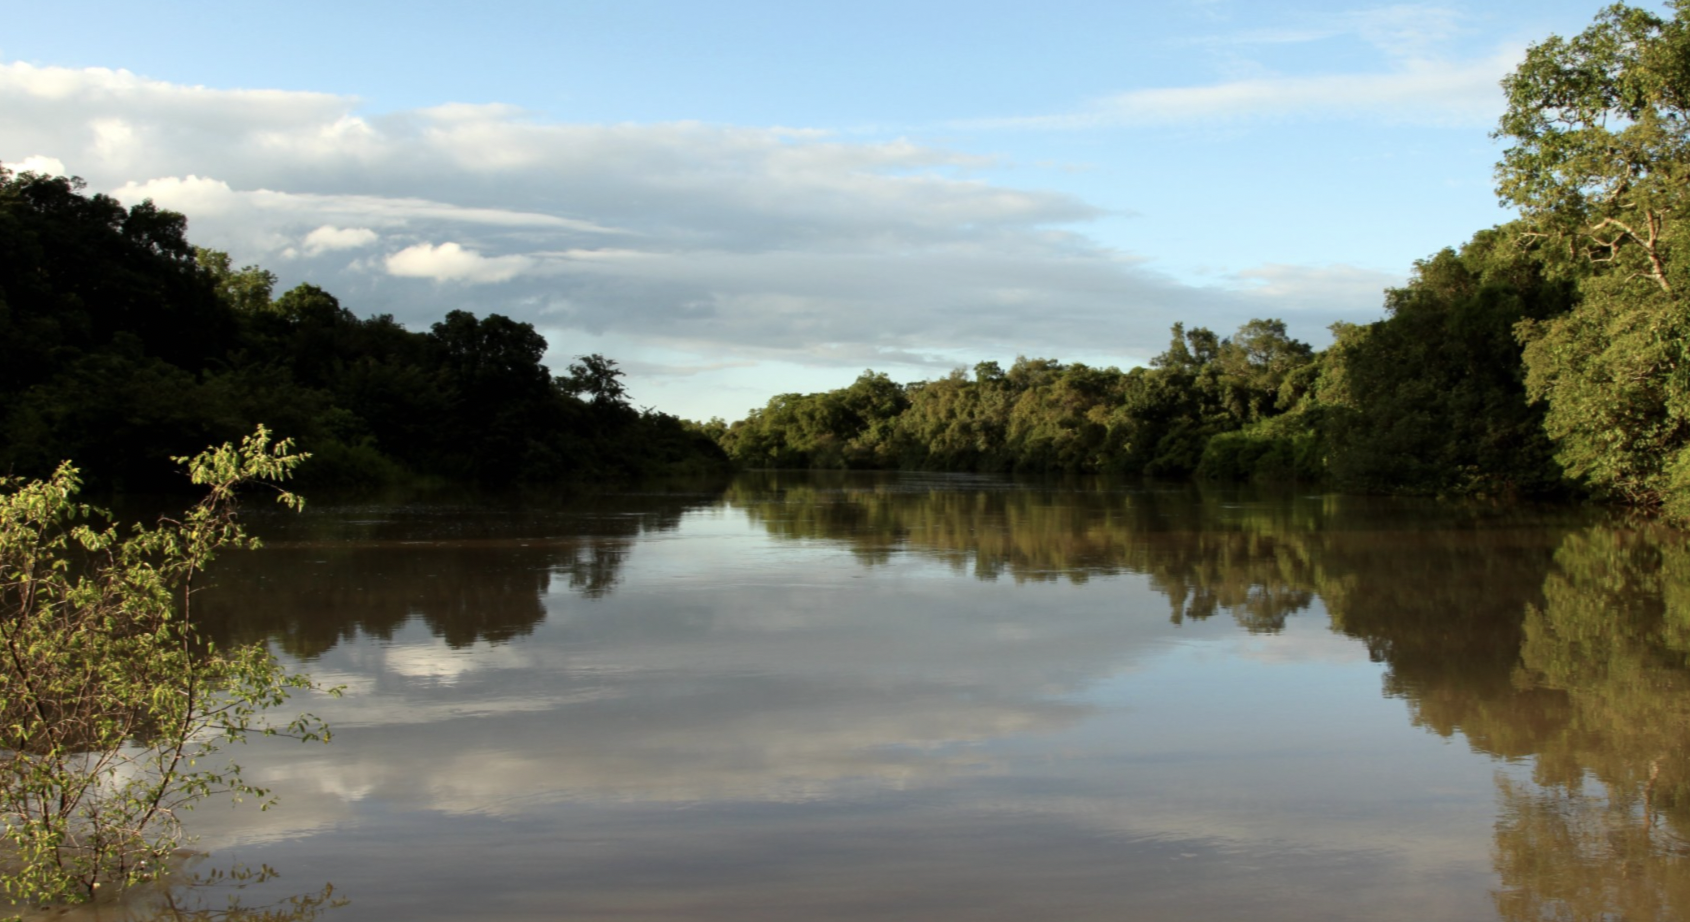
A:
[112,705]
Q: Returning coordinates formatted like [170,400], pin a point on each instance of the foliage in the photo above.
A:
[1599,164]
[1431,399]
[1600,149]
[597,377]
[1041,415]
[1615,378]
[1281,449]
[845,428]
[112,707]
[123,345]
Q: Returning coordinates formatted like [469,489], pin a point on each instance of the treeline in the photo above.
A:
[122,345]
[1430,399]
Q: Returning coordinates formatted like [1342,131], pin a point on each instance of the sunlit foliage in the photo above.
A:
[112,705]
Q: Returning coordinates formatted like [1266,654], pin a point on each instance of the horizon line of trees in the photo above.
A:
[1431,399]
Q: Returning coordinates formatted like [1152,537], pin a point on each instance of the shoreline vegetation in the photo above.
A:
[117,709]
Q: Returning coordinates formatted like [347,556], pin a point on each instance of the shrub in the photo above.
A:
[112,706]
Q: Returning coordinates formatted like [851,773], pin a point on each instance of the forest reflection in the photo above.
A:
[1605,830]
[1256,556]
[471,573]
[1529,632]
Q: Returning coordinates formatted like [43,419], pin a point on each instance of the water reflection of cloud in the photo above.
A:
[763,742]
[438,662]
[735,694]
[749,727]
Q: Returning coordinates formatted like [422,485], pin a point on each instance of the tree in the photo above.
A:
[246,289]
[1432,399]
[1601,145]
[1599,127]
[598,378]
[112,706]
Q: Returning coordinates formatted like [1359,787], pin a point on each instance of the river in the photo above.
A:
[879,696]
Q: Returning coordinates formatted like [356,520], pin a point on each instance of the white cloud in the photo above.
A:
[450,262]
[1416,31]
[328,237]
[1426,79]
[45,166]
[193,195]
[202,197]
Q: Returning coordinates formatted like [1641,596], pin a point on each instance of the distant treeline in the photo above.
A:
[122,345]
[1431,399]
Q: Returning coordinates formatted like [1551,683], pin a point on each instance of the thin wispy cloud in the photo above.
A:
[1402,30]
[1421,80]
[1418,93]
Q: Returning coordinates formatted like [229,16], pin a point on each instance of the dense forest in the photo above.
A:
[1545,356]
[122,346]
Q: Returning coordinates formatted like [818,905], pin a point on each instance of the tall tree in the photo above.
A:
[1599,166]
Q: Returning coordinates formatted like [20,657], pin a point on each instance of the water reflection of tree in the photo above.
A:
[469,573]
[1208,551]
[1443,608]
[1529,632]
[1612,638]
[1575,655]
[1564,853]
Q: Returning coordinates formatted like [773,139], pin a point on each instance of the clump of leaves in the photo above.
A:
[112,706]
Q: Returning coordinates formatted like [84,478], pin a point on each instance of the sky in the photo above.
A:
[743,198]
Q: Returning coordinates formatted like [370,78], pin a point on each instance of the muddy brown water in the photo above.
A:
[832,696]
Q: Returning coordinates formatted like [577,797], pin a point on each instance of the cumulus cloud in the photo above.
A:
[450,262]
[45,166]
[328,237]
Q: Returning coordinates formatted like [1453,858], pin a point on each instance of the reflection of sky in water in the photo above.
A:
[751,727]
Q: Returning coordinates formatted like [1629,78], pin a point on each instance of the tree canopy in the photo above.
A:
[121,344]
[1598,161]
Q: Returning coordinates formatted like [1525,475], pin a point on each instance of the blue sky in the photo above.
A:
[736,199]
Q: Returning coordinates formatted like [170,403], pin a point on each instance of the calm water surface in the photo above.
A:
[918,697]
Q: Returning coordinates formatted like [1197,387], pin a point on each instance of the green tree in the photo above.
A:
[1600,145]
[246,289]
[1599,166]
[599,379]
[112,706]
[1432,398]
